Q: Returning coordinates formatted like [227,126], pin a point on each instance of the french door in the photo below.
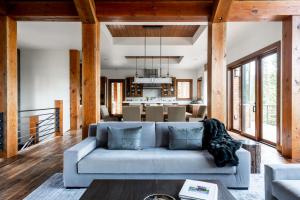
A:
[255,97]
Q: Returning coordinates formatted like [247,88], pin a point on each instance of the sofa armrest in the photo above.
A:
[75,154]
[244,168]
[279,172]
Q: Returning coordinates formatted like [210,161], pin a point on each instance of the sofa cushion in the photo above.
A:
[148,132]
[124,138]
[151,161]
[162,130]
[286,189]
[185,138]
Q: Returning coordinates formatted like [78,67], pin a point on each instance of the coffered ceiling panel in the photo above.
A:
[153,31]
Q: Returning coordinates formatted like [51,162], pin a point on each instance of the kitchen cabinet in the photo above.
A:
[169,90]
[132,89]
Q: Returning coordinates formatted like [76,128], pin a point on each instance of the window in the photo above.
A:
[184,89]
[199,88]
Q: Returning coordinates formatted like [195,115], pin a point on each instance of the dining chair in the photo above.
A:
[202,112]
[176,113]
[155,113]
[131,113]
[105,116]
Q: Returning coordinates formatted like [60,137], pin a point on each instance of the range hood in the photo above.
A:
[151,78]
[153,81]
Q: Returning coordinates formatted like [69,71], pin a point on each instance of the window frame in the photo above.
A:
[190,81]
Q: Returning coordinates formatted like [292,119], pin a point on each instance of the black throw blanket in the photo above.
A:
[219,143]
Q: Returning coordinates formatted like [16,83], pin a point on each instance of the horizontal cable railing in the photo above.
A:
[37,125]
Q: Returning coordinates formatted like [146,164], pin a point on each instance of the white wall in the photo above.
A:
[44,78]
[245,38]
[178,73]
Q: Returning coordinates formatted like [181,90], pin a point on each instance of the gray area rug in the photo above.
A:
[53,189]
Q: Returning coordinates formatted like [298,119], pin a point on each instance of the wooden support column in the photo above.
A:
[291,87]
[216,71]
[33,124]
[8,85]
[59,117]
[74,89]
[90,76]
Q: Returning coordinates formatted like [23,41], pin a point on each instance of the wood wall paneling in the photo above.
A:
[74,89]
[59,105]
[216,71]
[291,87]
[8,84]
[90,76]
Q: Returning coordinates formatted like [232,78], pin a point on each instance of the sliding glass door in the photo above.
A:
[270,96]
[255,96]
[249,98]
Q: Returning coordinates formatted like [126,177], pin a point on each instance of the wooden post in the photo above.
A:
[33,123]
[90,76]
[216,71]
[8,85]
[291,87]
[74,89]
[60,115]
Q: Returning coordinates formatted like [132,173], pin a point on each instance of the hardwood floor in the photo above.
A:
[20,175]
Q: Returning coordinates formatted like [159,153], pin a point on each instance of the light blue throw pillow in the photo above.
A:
[124,138]
[185,138]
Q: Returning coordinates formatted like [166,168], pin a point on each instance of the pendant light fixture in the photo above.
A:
[160,44]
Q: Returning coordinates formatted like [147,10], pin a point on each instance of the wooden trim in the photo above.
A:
[260,52]
[74,89]
[9,84]
[199,88]
[86,11]
[221,10]
[110,81]
[60,107]
[191,88]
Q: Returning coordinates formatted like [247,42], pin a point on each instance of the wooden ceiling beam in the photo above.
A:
[2,7]
[128,10]
[86,11]
[221,10]
[263,10]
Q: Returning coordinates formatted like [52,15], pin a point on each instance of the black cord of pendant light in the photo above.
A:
[136,70]
[145,49]
[160,49]
[168,74]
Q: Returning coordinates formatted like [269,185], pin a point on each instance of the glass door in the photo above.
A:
[116,96]
[249,98]
[270,94]
[236,99]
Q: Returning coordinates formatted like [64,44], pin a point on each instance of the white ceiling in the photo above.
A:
[67,35]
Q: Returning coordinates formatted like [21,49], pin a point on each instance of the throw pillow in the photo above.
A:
[185,138]
[124,138]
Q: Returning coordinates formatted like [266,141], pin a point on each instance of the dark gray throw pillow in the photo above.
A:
[124,138]
[185,138]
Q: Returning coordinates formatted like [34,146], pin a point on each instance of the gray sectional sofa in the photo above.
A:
[282,182]
[90,159]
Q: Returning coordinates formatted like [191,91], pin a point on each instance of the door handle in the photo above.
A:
[254,108]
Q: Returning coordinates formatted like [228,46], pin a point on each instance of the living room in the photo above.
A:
[101,103]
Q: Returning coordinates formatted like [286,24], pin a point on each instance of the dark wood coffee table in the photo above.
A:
[138,189]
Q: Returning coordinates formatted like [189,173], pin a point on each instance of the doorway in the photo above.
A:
[116,95]
[255,95]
